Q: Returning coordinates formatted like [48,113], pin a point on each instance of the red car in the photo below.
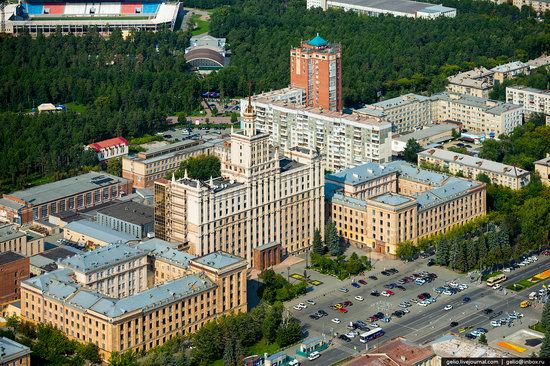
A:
[546,252]
[362,282]
[421,297]
[390,292]
[373,318]
[343,310]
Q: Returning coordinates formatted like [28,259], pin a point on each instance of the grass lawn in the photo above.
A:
[78,108]
[538,327]
[201,25]
[522,285]
[258,349]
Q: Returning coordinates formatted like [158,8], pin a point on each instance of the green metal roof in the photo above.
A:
[318,41]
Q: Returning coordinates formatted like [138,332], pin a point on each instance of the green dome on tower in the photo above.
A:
[318,41]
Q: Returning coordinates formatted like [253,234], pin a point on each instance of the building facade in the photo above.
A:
[72,194]
[406,113]
[316,67]
[91,234]
[343,140]
[18,241]
[111,148]
[510,71]
[143,169]
[14,269]
[501,174]
[130,217]
[116,270]
[532,100]
[477,82]
[261,198]
[477,115]
[376,207]
[433,134]
[542,167]
[213,286]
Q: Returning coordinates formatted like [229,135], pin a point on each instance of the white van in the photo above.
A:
[314,355]
[533,296]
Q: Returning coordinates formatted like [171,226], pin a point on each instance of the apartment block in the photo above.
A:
[504,175]
[477,82]
[145,167]
[25,243]
[262,197]
[71,194]
[510,71]
[117,270]
[406,113]
[316,67]
[376,206]
[542,167]
[343,140]
[130,217]
[477,115]
[532,100]
[14,269]
[208,287]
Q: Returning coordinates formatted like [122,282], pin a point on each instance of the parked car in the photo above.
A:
[344,338]
[466,300]
[310,302]
[375,293]
[314,355]
[355,284]
[335,320]
[362,282]
[343,310]
[374,278]
[343,289]
[359,298]
[448,307]
[453,324]
[322,312]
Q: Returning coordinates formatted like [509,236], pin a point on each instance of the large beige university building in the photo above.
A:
[183,292]
[261,198]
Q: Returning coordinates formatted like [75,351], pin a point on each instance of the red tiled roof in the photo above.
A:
[97,146]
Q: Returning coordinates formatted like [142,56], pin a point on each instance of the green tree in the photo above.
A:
[114,166]
[318,246]
[290,332]
[411,151]
[406,250]
[483,339]
[88,351]
[482,177]
[545,347]
[332,239]
[272,321]
[545,317]
[127,358]
[13,322]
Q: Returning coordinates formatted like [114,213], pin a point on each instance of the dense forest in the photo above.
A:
[390,54]
[128,86]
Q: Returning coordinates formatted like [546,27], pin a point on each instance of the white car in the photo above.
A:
[423,303]
[310,302]
[343,289]
[314,355]
[297,307]
[507,269]
[385,293]
[294,363]
[522,264]
[359,298]
[336,320]
[302,305]
[497,287]
[406,311]
[447,292]
[448,307]
[374,325]
[454,284]
[534,258]
[462,286]
[496,323]
[351,335]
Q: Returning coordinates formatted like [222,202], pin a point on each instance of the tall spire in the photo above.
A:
[249,118]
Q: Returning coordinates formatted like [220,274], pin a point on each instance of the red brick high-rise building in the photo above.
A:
[316,67]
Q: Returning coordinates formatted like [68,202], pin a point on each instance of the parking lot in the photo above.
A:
[458,306]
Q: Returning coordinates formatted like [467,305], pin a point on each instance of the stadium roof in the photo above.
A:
[66,187]
[401,6]
[102,257]
[97,146]
[318,41]
[99,232]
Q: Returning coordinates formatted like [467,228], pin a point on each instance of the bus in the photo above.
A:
[371,334]
[496,279]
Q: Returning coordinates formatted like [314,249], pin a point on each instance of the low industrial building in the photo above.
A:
[501,174]
[145,167]
[25,243]
[14,353]
[209,287]
[111,148]
[376,206]
[130,217]
[532,100]
[91,234]
[71,194]
[404,8]
[47,261]
[206,53]
[433,134]
[542,167]
[14,269]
